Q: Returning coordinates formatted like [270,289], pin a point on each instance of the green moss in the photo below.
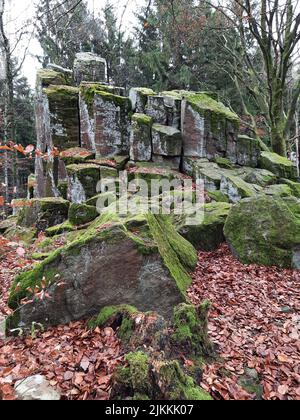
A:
[145,91]
[206,233]
[142,119]
[25,235]
[218,196]
[38,256]
[51,77]
[223,163]
[45,243]
[80,214]
[202,102]
[139,370]
[294,186]
[59,93]
[178,255]
[89,91]
[243,189]
[180,386]
[63,189]
[59,229]
[281,190]
[190,329]
[110,312]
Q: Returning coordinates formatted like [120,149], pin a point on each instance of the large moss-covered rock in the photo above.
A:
[140,138]
[280,166]
[207,235]
[145,264]
[265,230]
[166,141]
[43,213]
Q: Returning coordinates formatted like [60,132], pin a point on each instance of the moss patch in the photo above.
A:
[109,312]
[142,119]
[178,254]
[190,329]
[80,214]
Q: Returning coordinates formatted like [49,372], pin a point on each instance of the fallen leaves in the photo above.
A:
[254,323]
[80,368]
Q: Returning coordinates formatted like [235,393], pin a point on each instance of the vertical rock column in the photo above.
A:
[209,128]
[107,130]
[57,125]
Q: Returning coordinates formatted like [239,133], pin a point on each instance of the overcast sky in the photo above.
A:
[19,11]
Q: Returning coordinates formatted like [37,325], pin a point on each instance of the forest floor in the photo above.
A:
[254,323]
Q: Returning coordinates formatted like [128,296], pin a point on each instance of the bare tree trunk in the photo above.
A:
[9,117]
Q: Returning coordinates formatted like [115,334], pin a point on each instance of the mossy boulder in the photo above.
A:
[265,230]
[223,162]
[80,214]
[106,199]
[21,234]
[236,189]
[260,177]
[7,224]
[202,169]
[47,77]
[144,264]
[207,235]
[191,329]
[282,190]
[43,213]
[280,166]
